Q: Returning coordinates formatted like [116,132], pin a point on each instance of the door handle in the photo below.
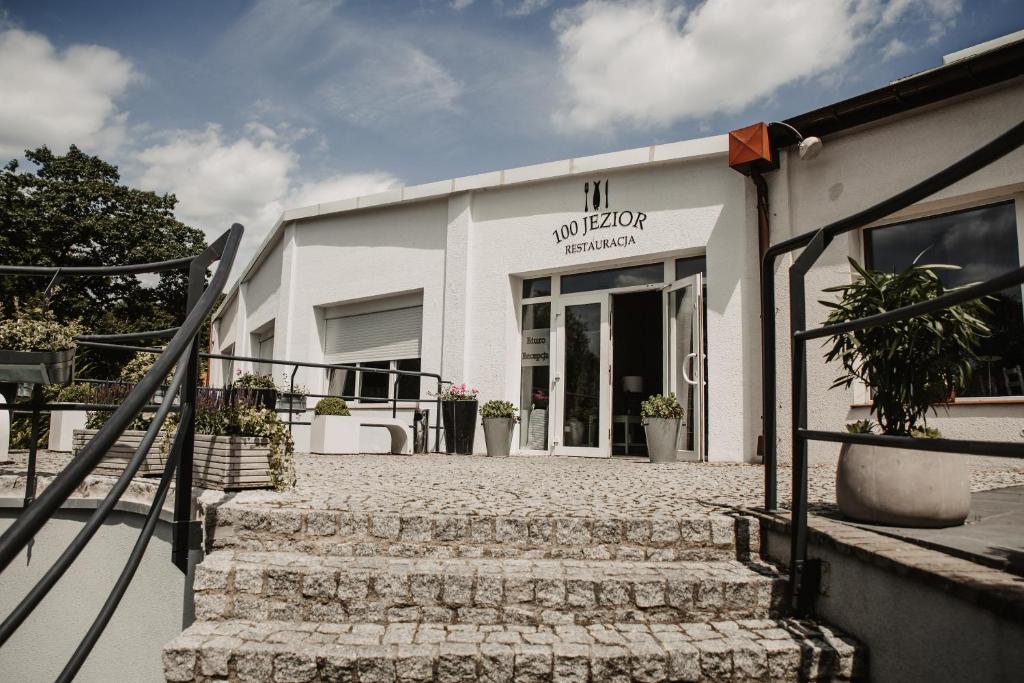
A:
[686,360]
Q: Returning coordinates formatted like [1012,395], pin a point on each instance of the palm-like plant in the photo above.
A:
[910,365]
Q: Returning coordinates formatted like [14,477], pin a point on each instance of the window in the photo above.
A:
[263,347]
[227,367]
[983,242]
[611,279]
[685,267]
[536,366]
[540,286]
[382,334]
[375,387]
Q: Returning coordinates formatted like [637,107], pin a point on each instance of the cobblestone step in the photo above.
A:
[297,587]
[345,533]
[299,652]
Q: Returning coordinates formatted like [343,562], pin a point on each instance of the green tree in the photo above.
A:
[72,210]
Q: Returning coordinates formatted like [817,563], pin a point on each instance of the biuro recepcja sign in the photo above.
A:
[597,229]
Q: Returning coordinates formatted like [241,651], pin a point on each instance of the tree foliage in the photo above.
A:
[72,210]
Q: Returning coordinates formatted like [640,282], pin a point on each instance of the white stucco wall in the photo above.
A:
[152,612]
[690,207]
[467,249]
[860,168]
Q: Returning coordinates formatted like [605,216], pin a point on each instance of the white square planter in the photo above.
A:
[63,424]
[334,434]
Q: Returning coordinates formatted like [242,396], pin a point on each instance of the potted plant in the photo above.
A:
[498,418]
[239,445]
[255,389]
[909,367]
[333,431]
[458,413]
[662,415]
[36,348]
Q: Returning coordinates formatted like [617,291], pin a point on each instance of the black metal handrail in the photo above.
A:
[181,350]
[983,156]
[804,574]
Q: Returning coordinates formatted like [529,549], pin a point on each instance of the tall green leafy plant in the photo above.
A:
[911,365]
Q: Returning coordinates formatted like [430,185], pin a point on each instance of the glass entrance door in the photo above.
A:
[582,375]
[684,301]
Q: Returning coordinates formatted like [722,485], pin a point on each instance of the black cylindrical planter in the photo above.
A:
[459,426]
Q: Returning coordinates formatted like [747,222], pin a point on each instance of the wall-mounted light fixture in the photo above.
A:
[809,147]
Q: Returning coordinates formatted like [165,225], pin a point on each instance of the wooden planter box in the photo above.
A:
[231,462]
[121,452]
[224,463]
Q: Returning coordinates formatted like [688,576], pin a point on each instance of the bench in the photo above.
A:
[334,434]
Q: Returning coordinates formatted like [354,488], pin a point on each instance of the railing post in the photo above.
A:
[803,575]
[187,534]
[437,419]
[30,475]
[768,399]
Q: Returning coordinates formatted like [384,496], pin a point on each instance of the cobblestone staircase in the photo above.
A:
[296,595]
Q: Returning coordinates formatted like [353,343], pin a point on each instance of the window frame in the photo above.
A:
[858,250]
[358,383]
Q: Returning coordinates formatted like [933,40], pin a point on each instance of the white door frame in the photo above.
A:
[692,366]
[603,427]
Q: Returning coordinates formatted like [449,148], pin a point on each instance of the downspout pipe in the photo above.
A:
[983,156]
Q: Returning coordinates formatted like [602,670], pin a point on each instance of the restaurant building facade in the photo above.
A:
[576,288]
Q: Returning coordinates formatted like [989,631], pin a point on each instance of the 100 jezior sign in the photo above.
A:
[586,233]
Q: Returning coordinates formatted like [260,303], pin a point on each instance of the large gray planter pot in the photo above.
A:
[498,435]
[662,436]
[901,487]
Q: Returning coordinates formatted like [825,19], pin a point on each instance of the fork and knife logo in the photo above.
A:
[592,201]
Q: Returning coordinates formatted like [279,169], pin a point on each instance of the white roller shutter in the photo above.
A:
[383,335]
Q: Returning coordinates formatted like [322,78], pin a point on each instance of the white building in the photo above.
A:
[576,288]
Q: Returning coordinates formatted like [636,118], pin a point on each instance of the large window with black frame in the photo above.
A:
[983,241]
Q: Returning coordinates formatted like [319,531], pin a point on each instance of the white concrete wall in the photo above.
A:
[152,612]
[690,207]
[361,256]
[467,251]
[858,169]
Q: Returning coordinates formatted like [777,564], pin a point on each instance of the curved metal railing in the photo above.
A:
[181,351]
[804,574]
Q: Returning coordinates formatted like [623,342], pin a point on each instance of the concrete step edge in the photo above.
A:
[749,650]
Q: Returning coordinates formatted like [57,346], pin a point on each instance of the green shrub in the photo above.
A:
[332,406]
[499,409]
[36,328]
[74,393]
[911,365]
[661,406]
[861,427]
[250,380]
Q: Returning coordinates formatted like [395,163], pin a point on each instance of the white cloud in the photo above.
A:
[526,7]
[368,75]
[461,4]
[249,180]
[58,98]
[894,48]
[651,62]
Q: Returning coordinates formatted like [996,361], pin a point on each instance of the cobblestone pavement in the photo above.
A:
[477,485]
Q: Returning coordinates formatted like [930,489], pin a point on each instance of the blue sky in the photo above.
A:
[244,108]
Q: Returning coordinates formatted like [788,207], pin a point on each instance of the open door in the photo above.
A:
[581,383]
[684,301]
